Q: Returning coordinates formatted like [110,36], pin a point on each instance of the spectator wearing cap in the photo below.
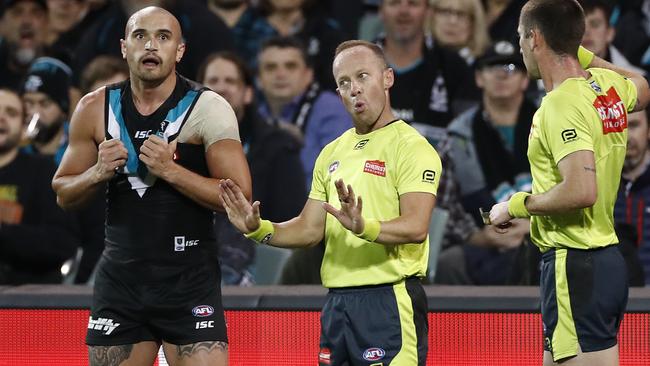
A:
[488,145]
[23,26]
[36,235]
[45,93]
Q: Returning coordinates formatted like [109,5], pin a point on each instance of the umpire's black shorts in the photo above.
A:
[375,325]
[584,294]
[182,309]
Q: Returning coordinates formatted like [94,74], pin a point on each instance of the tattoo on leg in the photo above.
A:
[187,350]
[590,169]
[109,355]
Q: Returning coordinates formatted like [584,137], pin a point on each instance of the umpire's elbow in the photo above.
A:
[586,199]
[419,236]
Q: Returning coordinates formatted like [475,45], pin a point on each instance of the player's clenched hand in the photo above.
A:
[111,155]
[158,155]
[351,206]
[244,216]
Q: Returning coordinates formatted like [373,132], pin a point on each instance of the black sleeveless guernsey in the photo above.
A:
[147,220]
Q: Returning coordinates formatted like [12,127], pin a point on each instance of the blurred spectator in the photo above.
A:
[346,13]
[69,20]
[431,82]
[36,236]
[203,32]
[370,24]
[47,103]
[319,34]
[63,15]
[503,18]
[273,156]
[599,34]
[295,102]
[634,20]
[489,146]
[633,201]
[24,23]
[249,28]
[491,140]
[102,71]
[462,230]
[460,25]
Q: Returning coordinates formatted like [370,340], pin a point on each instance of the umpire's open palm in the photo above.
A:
[350,213]
[241,213]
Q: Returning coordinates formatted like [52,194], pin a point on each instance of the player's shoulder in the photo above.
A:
[92,102]
[210,97]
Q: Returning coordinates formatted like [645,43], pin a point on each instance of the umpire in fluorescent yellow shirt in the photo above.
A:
[576,151]
[371,199]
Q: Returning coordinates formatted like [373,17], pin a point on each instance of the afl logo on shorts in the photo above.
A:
[374,354]
[202,311]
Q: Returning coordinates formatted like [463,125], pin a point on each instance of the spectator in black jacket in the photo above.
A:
[36,236]
[273,156]
[432,84]
[319,34]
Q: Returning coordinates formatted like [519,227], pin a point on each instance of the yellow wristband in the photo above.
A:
[585,57]
[371,230]
[263,234]
[517,205]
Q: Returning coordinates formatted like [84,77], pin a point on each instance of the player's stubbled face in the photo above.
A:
[152,45]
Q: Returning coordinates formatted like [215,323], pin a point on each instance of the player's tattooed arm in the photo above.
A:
[109,355]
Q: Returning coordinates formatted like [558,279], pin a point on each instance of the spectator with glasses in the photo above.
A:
[460,25]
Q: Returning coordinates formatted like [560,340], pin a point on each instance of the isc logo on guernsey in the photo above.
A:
[180,243]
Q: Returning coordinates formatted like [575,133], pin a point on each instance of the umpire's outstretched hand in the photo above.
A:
[241,213]
[351,206]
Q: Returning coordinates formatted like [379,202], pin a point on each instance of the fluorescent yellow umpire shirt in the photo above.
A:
[581,115]
[380,166]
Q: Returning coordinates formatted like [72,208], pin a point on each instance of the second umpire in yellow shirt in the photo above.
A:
[576,150]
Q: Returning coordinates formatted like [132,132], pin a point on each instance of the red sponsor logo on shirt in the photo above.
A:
[376,167]
[612,112]
[324,356]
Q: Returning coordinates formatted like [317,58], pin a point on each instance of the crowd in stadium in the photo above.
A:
[459,80]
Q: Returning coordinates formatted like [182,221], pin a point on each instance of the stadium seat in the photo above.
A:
[437,225]
[269,262]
